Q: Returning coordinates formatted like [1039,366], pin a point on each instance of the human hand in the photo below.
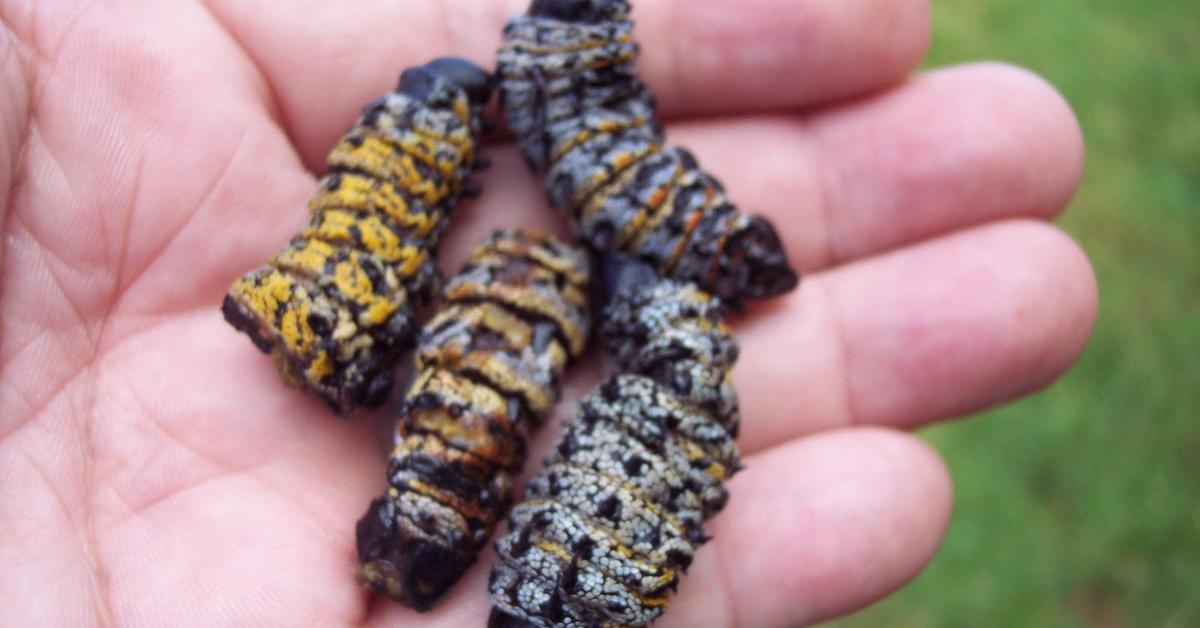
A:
[152,468]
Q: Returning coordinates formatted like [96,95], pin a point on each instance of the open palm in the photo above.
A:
[153,471]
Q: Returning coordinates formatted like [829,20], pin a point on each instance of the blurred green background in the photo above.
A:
[1081,505]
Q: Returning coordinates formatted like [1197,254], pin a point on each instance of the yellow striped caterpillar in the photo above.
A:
[489,366]
[334,307]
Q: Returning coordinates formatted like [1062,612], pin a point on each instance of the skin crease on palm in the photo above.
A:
[153,471]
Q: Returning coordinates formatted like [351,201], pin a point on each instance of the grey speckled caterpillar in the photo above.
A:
[490,365]
[619,509]
[584,119]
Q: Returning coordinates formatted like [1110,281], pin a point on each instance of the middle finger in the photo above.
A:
[950,149]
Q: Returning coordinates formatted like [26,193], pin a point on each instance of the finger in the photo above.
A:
[814,528]
[716,55]
[928,332]
[817,528]
[323,61]
[950,149]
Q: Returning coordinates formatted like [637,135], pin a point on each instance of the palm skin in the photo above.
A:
[153,470]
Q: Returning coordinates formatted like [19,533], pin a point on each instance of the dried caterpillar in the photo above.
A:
[618,511]
[489,365]
[335,306]
[584,119]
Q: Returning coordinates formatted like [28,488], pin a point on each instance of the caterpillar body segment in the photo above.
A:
[335,306]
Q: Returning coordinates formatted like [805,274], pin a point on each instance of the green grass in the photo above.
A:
[1081,506]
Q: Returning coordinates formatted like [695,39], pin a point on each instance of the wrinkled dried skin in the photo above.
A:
[489,367]
[585,120]
[618,512]
[335,306]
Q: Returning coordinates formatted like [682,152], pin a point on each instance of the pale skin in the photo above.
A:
[153,470]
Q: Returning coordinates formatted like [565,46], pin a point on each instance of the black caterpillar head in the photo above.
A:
[759,248]
[409,569]
[421,82]
[582,11]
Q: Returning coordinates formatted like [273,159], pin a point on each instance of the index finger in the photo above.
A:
[323,61]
